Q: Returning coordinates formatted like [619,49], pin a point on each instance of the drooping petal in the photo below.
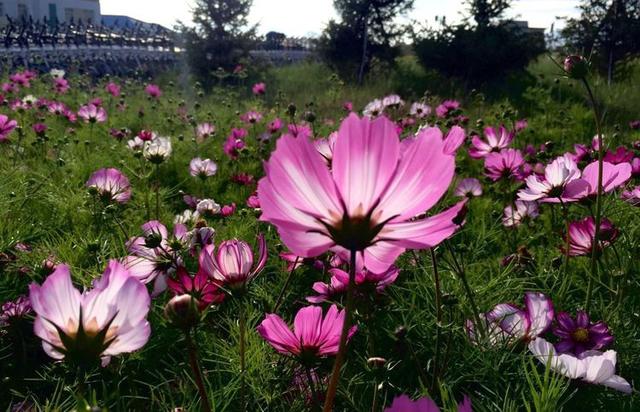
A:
[540,313]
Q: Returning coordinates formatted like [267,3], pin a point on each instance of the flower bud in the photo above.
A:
[576,67]
[182,311]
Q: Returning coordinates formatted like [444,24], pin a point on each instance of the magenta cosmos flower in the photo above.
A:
[496,141]
[111,185]
[6,127]
[92,114]
[403,403]
[259,89]
[113,89]
[561,182]
[365,282]
[105,321]
[506,164]
[369,199]
[580,334]
[200,287]
[14,309]
[202,168]
[632,196]
[447,107]
[153,90]
[469,187]
[582,232]
[312,337]
[233,264]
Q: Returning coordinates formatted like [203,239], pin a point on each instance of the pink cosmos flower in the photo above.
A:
[253,201]
[613,176]
[204,131]
[632,196]
[113,89]
[39,129]
[60,86]
[469,187]
[403,403]
[208,207]
[420,110]
[274,126]
[233,146]
[313,335]
[251,117]
[299,130]
[153,90]
[14,310]
[621,155]
[446,108]
[57,108]
[347,107]
[105,321]
[111,185]
[155,255]
[6,127]
[521,125]
[393,101]
[367,202]
[325,146]
[228,210]
[591,366]
[496,141]
[506,164]
[516,216]
[259,89]
[21,79]
[561,183]
[374,108]
[582,233]
[200,287]
[136,144]
[202,168]
[365,282]
[524,323]
[232,264]
[146,135]
[92,114]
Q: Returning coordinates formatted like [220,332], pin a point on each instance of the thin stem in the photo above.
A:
[567,245]
[465,284]
[286,286]
[335,375]
[598,216]
[197,374]
[157,191]
[374,403]
[243,330]
[436,279]
[312,388]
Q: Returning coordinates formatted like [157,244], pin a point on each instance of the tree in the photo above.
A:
[366,30]
[482,48]
[607,29]
[221,37]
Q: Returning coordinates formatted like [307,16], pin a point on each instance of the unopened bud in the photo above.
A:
[576,67]
[182,311]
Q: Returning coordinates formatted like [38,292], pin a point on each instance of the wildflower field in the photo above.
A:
[294,243]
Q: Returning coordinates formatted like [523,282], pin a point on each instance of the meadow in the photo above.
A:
[448,321]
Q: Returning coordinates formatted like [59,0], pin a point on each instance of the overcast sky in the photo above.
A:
[305,17]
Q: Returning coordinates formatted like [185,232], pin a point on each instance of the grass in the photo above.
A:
[43,203]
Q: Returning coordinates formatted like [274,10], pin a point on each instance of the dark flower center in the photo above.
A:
[581,335]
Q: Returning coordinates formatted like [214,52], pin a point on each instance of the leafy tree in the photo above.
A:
[482,48]
[366,30]
[610,29]
[221,37]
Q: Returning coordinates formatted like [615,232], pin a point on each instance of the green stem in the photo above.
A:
[567,245]
[197,374]
[243,329]
[157,188]
[438,291]
[286,286]
[337,366]
[312,388]
[598,216]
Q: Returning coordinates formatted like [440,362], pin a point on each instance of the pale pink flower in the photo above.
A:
[105,321]
[369,199]
[6,127]
[111,185]
[591,366]
[582,233]
[204,131]
[613,176]
[523,210]
[202,168]
[420,110]
[233,263]
[469,187]
[561,183]
[365,282]
[92,114]
[374,108]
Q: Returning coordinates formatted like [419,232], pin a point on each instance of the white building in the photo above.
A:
[53,10]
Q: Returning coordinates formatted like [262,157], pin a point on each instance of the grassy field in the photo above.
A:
[45,205]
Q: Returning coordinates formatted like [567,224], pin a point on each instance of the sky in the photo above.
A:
[308,17]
